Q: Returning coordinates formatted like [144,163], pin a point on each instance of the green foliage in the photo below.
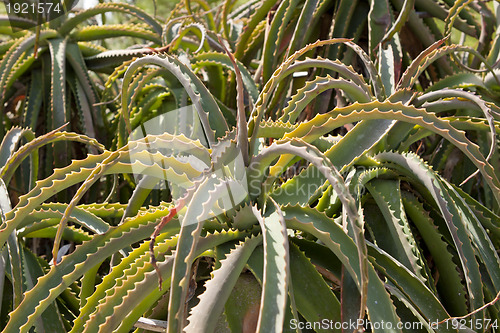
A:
[47,83]
[326,160]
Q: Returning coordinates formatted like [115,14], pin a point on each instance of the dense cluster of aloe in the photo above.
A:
[282,165]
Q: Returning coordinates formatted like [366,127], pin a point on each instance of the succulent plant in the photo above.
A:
[270,181]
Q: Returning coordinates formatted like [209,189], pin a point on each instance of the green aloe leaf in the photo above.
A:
[314,299]
[55,211]
[208,58]
[218,289]
[11,141]
[379,304]
[452,215]
[102,8]
[411,286]
[209,113]
[50,320]
[78,171]
[449,282]
[276,272]
[78,262]
[254,20]
[111,30]
[274,37]
[200,207]
[387,195]
[32,147]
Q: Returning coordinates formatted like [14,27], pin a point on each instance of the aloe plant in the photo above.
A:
[46,80]
[256,207]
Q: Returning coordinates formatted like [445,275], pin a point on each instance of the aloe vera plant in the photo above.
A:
[263,201]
